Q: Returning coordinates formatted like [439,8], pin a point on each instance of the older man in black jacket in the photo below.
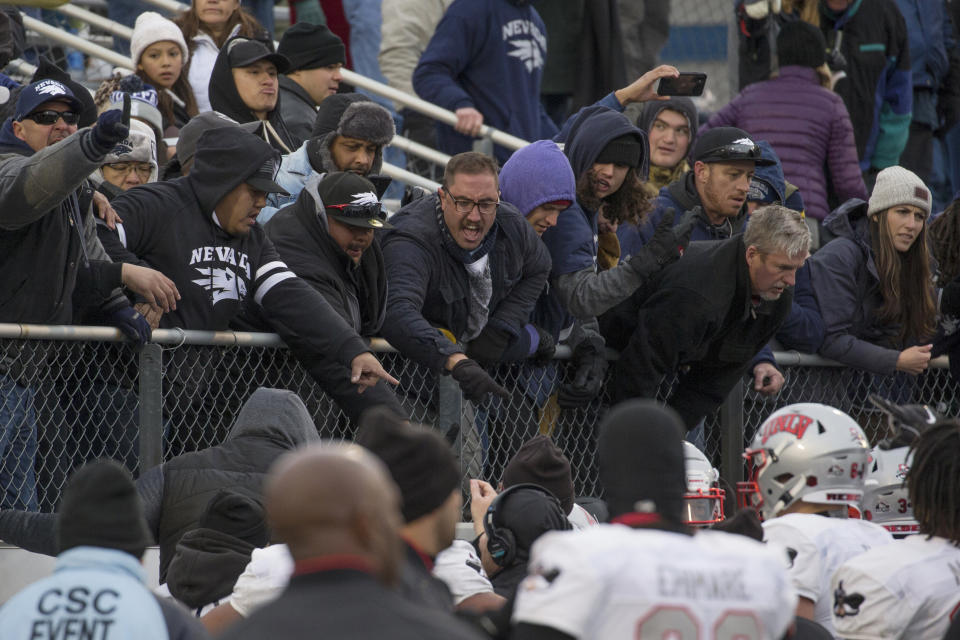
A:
[327,238]
[706,316]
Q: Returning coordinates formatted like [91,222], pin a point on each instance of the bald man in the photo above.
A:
[338,510]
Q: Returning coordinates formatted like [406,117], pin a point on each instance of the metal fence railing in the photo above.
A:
[90,395]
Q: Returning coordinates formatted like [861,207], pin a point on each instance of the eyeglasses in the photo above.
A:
[733,151]
[49,117]
[144,169]
[355,210]
[465,205]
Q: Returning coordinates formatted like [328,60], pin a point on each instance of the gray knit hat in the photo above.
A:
[367,121]
[896,185]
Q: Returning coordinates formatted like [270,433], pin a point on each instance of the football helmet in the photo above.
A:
[885,498]
[808,452]
[905,422]
[703,501]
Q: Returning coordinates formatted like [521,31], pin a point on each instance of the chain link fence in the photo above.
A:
[84,396]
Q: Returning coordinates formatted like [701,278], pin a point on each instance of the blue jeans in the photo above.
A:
[365,20]
[125,12]
[262,10]
[18,446]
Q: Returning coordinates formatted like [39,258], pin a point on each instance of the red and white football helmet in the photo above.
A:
[886,500]
[805,451]
[703,501]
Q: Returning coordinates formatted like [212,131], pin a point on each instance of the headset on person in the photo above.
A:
[501,542]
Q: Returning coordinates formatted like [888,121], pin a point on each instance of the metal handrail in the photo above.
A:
[77,42]
[407,177]
[415,148]
[96,20]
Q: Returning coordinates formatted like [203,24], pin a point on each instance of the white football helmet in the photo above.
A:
[885,498]
[805,451]
[703,502]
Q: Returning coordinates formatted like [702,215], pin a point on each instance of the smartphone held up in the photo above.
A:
[688,83]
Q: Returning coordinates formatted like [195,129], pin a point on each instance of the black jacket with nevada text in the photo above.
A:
[171,226]
[698,315]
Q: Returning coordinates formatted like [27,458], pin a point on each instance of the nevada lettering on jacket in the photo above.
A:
[520,27]
[789,423]
[221,254]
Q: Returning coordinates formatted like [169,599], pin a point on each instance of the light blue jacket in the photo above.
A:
[93,592]
[295,168]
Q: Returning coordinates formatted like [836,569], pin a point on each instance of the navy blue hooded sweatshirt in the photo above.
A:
[489,55]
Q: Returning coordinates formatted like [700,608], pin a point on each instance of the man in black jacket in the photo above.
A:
[201,230]
[705,317]
[316,56]
[327,238]
[465,272]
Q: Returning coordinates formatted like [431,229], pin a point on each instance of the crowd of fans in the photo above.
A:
[229,183]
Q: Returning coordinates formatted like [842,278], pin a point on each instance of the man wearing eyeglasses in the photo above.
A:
[465,272]
[48,251]
[327,238]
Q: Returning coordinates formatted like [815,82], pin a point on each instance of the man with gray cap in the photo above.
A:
[646,555]
[327,238]
[316,56]
[349,134]
[98,587]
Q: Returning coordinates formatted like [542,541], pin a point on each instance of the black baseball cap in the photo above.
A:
[263,178]
[243,52]
[352,200]
[728,144]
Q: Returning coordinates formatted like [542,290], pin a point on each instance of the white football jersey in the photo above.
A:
[460,569]
[265,577]
[815,546]
[612,582]
[908,589]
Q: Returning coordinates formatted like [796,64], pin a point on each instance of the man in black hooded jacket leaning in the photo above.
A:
[201,231]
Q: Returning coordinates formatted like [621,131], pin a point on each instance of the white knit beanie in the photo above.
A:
[152,27]
[895,186]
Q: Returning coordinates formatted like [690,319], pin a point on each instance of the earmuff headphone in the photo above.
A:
[501,542]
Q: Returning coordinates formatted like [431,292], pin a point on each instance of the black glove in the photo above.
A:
[545,349]
[667,244]
[112,126]
[591,370]
[489,346]
[475,382]
[131,323]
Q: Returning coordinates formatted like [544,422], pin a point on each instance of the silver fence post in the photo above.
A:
[151,406]
[450,416]
[484,146]
[731,437]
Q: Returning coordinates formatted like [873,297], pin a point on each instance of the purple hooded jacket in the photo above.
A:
[809,128]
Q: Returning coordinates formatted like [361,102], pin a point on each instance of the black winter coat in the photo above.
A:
[357,292]
[429,287]
[698,314]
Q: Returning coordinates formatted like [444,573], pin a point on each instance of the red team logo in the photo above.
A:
[794,423]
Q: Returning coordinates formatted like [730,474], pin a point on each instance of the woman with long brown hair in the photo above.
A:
[874,284]
[206,26]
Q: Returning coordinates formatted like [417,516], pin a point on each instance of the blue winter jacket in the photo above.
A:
[93,592]
[428,288]
[489,55]
[931,37]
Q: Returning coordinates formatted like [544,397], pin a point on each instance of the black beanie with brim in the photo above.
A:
[640,455]
[626,150]
[101,508]
[419,460]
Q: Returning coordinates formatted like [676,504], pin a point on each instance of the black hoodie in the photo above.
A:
[225,99]
[172,227]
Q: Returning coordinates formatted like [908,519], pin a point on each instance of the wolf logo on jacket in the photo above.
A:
[227,278]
